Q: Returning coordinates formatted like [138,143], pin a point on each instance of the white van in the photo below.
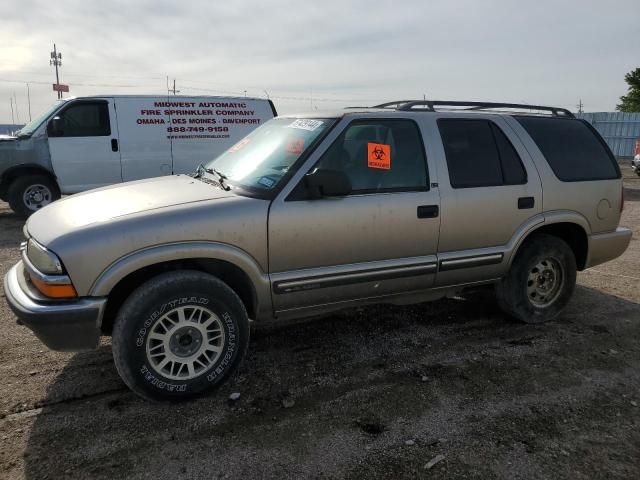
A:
[88,142]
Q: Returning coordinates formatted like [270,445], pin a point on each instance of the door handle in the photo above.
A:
[114,144]
[428,211]
[526,202]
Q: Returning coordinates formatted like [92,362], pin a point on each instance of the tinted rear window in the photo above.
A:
[572,148]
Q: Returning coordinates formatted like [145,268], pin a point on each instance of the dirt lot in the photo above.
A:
[372,393]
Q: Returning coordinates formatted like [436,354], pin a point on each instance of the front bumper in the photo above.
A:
[60,325]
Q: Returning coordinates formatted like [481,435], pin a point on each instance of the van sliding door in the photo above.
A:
[145,146]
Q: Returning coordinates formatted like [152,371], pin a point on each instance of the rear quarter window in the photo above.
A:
[574,151]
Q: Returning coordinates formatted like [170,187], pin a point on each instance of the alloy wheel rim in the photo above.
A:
[36,196]
[544,282]
[185,342]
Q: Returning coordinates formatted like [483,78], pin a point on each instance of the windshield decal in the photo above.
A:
[239,145]
[379,156]
[305,124]
[267,182]
[296,146]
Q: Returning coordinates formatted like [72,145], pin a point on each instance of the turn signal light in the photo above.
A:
[54,291]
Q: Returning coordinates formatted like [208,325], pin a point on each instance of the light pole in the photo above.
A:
[56,60]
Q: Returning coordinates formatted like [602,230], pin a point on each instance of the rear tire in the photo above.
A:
[540,282]
[179,335]
[29,193]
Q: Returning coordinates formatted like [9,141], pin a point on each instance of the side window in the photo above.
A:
[85,119]
[572,148]
[379,156]
[479,154]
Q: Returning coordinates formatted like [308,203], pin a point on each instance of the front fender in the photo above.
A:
[134,261]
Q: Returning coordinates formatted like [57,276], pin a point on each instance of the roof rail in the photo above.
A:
[408,105]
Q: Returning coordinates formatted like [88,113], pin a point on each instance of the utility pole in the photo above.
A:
[56,60]
[13,121]
[172,90]
[15,101]
[29,100]
[580,105]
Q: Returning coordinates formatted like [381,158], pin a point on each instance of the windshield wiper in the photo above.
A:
[220,177]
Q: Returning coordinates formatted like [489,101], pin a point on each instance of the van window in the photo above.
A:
[479,154]
[85,119]
[574,151]
[379,156]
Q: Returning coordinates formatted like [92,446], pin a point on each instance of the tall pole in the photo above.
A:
[56,60]
[15,100]
[13,121]
[29,100]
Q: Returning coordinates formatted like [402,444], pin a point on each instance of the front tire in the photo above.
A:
[540,282]
[29,193]
[179,335]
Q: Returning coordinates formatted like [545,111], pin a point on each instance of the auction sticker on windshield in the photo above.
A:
[306,124]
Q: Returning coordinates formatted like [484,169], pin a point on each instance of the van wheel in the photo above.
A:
[29,193]
[179,335]
[540,282]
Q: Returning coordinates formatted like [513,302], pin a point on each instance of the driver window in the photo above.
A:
[85,119]
[379,156]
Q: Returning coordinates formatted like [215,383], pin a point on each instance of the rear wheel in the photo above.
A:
[179,335]
[29,193]
[540,282]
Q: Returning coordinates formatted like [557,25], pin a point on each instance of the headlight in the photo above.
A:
[44,260]
[46,272]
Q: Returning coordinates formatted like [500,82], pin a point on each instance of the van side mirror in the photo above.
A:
[327,183]
[55,127]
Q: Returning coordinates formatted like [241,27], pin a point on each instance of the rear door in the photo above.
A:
[145,130]
[491,190]
[201,128]
[83,143]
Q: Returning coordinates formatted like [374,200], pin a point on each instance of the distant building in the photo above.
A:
[620,130]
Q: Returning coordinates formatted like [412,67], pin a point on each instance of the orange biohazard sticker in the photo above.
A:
[295,147]
[379,156]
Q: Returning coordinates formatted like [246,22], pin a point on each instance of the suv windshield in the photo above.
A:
[261,159]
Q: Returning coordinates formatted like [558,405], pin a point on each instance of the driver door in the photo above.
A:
[83,143]
[378,241]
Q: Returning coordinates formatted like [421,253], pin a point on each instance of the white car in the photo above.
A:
[88,142]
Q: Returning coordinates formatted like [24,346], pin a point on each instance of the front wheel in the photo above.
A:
[29,193]
[540,282]
[179,335]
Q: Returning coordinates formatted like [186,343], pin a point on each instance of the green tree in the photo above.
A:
[631,101]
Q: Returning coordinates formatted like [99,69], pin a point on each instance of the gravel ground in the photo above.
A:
[371,393]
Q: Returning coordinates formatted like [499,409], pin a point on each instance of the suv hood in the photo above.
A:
[104,204]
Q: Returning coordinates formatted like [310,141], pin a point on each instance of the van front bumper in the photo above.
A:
[60,325]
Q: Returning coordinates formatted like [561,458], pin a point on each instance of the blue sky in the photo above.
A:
[324,54]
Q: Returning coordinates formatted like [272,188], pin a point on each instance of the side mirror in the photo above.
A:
[54,127]
[327,183]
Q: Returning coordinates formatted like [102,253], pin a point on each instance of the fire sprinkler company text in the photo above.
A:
[198,117]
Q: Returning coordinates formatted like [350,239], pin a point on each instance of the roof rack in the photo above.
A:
[409,105]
